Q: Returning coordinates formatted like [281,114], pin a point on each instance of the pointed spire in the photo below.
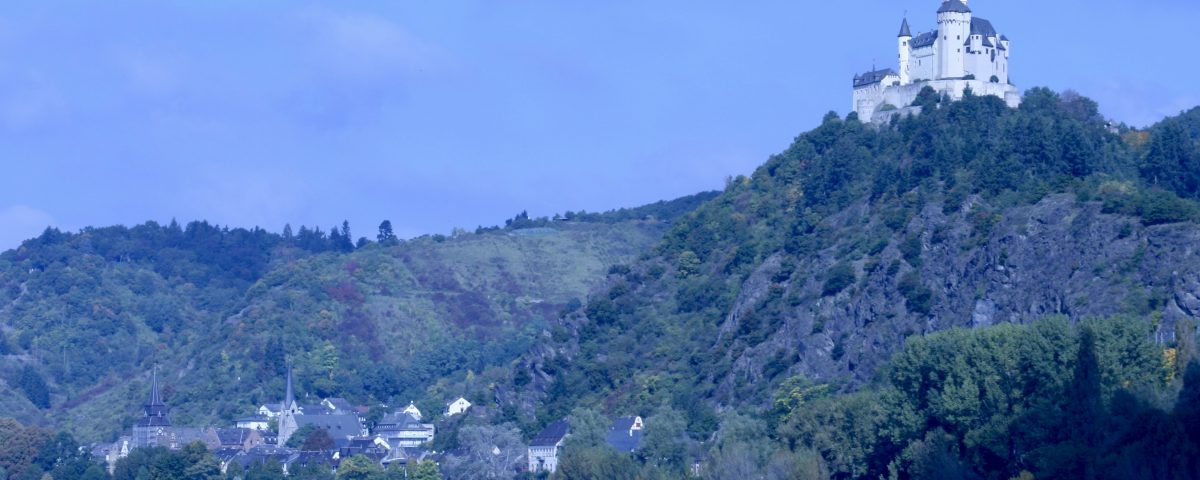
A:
[289,398]
[155,396]
[904,31]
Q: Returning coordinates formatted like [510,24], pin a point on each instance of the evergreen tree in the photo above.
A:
[386,237]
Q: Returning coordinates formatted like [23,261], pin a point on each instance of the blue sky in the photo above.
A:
[443,114]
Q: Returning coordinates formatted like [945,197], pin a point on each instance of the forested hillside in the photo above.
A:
[85,316]
[806,277]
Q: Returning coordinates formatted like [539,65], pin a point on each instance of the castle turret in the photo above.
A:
[954,30]
[905,52]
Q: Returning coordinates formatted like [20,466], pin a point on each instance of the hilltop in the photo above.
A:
[825,262]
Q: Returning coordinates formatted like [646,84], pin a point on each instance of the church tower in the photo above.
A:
[154,423]
[954,30]
[288,413]
[905,52]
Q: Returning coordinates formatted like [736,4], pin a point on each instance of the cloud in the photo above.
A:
[19,223]
[365,46]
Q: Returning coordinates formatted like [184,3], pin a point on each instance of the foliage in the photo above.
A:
[838,278]
[1048,398]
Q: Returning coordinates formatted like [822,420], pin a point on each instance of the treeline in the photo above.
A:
[663,210]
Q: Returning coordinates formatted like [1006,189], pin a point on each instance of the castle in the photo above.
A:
[964,52]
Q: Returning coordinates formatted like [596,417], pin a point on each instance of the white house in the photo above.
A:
[964,52]
[545,448]
[270,410]
[411,409]
[254,422]
[459,405]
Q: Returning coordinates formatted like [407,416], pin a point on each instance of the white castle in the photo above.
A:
[964,51]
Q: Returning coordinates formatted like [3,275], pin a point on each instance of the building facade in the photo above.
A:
[964,52]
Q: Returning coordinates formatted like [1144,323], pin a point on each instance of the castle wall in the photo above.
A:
[903,96]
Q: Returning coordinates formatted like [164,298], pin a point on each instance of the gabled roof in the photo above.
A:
[551,435]
[398,421]
[983,27]
[904,31]
[338,426]
[621,435]
[955,6]
[873,77]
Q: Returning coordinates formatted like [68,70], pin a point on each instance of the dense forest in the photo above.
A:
[85,316]
[974,292]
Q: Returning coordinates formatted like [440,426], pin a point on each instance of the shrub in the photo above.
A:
[838,278]
[918,298]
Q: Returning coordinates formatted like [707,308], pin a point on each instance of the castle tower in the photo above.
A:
[905,52]
[154,423]
[954,29]
[289,410]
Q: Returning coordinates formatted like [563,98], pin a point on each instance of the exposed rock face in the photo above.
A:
[1057,257]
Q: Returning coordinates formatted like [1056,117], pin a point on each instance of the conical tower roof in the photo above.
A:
[904,31]
[289,398]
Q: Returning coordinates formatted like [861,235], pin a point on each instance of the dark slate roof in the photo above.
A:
[955,6]
[983,27]
[924,40]
[224,455]
[1004,38]
[233,436]
[311,458]
[551,435]
[622,437]
[904,31]
[874,77]
[987,42]
[339,426]
[398,421]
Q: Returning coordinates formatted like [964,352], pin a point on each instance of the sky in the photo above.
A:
[459,113]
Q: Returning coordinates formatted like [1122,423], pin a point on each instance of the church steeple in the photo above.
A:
[155,409]
[289,398]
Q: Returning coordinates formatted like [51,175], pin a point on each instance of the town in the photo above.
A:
[322,435]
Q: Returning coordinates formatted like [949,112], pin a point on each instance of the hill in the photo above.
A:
[821,264]
[86,316]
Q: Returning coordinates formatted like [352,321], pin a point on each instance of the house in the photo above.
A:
[546,446]
[271,410]
[403,429]
[254,422]
[411,409]
[459,405]
[239,438]
[625,434]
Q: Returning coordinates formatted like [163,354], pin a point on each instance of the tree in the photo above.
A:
[386,237]
[269,470]
[31,382]
[425,470]
[665,443]
[359,467]
[300,435]
[317,440]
